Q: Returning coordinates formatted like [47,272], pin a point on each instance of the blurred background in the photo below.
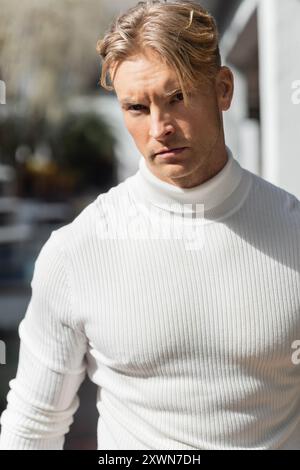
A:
[63,141]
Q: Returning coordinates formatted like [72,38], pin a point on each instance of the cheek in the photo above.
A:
[189,125]
[137,129]
[203,123]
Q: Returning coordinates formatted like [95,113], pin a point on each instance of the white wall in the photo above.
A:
[279,46]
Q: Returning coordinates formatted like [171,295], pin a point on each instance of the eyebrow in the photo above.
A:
[165,95]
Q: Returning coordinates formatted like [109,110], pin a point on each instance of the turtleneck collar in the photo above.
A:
[210,195]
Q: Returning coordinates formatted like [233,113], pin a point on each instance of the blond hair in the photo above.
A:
[183,33]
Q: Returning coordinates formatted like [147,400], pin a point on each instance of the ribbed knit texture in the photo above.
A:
[190,343]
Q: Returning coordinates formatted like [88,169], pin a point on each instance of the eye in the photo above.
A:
[134,106]
[137,108]
[179,94]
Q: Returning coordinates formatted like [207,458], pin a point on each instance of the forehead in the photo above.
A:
[143,74]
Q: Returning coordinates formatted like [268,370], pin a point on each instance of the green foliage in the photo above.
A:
[84,143]
[81,147]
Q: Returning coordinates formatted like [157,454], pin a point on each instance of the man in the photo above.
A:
[177,291]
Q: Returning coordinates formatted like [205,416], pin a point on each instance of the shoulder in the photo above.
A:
[272,190]
[270,222]
[88,224]
[273,201]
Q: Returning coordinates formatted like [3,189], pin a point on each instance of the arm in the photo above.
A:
[43,396]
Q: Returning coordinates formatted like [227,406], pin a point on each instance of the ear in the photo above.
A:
[224,88]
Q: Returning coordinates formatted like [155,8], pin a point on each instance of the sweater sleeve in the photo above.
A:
[43,398]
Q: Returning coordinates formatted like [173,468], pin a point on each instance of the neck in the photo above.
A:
[213,196]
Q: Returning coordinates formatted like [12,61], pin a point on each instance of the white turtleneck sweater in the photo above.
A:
[191,335]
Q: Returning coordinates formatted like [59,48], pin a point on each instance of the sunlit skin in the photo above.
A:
[155,121]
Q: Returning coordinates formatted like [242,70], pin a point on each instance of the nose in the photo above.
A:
[160,126]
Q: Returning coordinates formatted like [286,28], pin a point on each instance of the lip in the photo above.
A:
[171,152]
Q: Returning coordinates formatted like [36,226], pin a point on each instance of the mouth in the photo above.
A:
[170,152]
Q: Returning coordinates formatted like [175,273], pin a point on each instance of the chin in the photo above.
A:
[178,169]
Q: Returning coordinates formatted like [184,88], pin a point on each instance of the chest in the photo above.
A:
[157,302]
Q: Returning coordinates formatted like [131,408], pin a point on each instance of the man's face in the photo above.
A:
[156,121]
